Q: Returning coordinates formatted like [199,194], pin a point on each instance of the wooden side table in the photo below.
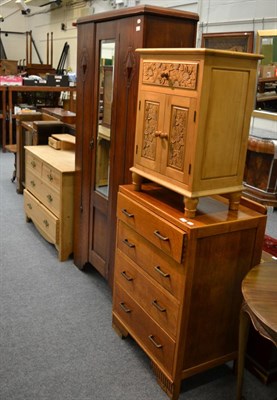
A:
[259,290]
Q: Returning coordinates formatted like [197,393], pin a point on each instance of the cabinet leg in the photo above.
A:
[190,206]
[137,181]
[234,200]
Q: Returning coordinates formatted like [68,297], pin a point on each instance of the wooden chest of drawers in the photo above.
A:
[48,196]
[177,286]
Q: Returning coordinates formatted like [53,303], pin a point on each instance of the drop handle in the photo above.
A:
[124,307]
[129,244]
[50,177]
[164,238]
[29,205]
[157,305]
[125,212]
[33,164]
[126,276]
[155,343]
[164,274]
[46,223]
[50,198]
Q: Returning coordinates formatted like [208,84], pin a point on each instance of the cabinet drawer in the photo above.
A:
[158,231]
[44,220]
[166,271]
[182,75]
[51,176]
[154,341]
[49,197]
[33,163]
[160,305]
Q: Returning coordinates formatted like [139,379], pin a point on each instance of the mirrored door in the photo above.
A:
[105,100]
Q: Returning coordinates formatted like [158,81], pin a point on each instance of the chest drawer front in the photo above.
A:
[33,163]
[44,220]
[49,197]
[162,307]
[162,268]
[173,74]
[51,177]
[154,341]
[158,231]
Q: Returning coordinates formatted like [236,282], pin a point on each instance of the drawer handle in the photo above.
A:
[164,238]
[50,198]
[46,223]
[124,308]
[33,183]
[129,244]
[164,274]
[125,212]
[156,344]
[156,304]
[50,177]
[29,205]
[33,164]
[127,277]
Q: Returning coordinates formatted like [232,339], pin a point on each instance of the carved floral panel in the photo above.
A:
[151,117]
[177,137]
[175,75]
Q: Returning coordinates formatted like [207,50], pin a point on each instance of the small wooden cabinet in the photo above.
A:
[48,197]
[177,286]
[193,116]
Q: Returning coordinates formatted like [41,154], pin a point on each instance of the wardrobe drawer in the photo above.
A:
[164,235]
[154,341]
[45,221]
[160,305]
[166,271]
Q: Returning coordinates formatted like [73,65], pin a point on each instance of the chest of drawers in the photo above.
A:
[48,195]
[177,281]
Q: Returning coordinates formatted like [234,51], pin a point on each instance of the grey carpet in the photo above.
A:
[57,342]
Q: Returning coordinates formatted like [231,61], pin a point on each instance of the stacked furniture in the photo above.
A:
[177,288]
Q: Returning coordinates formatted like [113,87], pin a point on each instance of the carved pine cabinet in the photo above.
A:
[177,285]
[107,88]
[193,116]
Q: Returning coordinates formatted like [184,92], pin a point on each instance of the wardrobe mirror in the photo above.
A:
[105,98]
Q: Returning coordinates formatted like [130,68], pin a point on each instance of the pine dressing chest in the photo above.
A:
[177,286]
[48,195]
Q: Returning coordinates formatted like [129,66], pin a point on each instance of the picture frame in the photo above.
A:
[232,41]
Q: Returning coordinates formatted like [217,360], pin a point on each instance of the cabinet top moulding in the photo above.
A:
[137,10]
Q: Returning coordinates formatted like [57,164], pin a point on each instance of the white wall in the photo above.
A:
[215,16]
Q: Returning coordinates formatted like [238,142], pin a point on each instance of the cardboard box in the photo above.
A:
[8,67]
[267,71]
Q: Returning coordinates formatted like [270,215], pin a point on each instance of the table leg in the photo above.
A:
[243,336]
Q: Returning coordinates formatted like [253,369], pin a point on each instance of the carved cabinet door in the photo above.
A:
[165,133]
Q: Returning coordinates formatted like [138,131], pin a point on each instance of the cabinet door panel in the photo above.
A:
[175,138]
[150,124]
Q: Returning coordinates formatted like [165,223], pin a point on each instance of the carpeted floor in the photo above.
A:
[56,338]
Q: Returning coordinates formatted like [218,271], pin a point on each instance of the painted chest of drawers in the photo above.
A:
[48,195]
[177,281]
